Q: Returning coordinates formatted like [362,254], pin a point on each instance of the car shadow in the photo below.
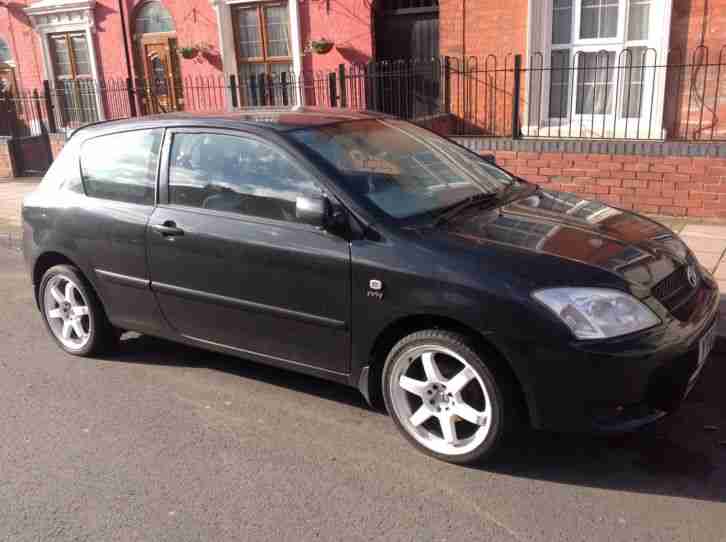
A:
[683,455]
[142,349]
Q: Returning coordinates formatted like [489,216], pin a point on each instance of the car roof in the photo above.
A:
[279,120]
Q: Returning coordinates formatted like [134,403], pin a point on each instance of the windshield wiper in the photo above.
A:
[466,203]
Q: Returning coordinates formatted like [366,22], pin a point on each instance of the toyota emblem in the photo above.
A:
[692,275]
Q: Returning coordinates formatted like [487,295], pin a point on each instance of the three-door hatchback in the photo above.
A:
[370,252]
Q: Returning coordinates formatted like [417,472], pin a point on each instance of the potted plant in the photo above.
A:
[205,48]
[321,46]
[188,51]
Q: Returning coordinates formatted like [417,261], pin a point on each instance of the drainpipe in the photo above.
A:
[463,30]
[126,40]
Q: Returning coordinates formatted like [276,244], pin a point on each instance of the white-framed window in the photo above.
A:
[65,29]
[601,66]
[261,36]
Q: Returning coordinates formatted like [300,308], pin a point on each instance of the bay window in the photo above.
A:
[599,59]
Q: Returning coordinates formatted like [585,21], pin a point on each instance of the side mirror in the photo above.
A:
[489,158]
[313,210]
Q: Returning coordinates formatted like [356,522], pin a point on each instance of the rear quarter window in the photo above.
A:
[122,167]
[63,170]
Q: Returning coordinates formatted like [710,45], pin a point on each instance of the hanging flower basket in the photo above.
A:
[188,52]
[321,46]
[205,48]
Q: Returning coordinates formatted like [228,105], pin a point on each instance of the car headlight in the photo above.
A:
[597,313]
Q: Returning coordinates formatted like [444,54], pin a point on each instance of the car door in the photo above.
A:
[107,225]
[229,263]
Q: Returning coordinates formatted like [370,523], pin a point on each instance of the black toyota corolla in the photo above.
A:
[370,252]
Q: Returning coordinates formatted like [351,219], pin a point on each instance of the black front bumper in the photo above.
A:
[617,384]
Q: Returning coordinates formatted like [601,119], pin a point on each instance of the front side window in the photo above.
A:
[602,57]
[400,168]
[263,44]
[122,167]
[237,175]
[75,87]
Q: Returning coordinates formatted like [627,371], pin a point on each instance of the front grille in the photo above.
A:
[674,290]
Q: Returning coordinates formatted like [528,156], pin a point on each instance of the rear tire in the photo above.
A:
[447,397]
[73,313]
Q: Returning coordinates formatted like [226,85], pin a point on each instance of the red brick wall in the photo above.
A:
[195,22]
[674,186]
[698,34]
[57,141]
[23,42]
[7,168]
[488,35]
[482,27]
[495,27]
[346,22]
[697,22]
[479,29]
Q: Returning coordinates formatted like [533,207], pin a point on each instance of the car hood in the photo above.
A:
[637,249]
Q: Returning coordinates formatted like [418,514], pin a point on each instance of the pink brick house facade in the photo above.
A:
[25,27]
[112,39]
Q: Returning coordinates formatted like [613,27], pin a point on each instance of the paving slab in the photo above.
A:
[720,272]
[700,244]
[676,224]
[709,260]
[12,193]
[715,231]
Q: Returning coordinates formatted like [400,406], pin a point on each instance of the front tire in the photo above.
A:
[72,312]
[444,397]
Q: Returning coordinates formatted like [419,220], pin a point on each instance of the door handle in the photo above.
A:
[168,229]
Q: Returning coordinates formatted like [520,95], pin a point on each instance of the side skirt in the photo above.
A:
[341,378]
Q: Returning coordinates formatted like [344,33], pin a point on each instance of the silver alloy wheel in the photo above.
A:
[67,312]
[451,414]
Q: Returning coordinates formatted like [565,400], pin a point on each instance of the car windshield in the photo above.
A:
[402,169]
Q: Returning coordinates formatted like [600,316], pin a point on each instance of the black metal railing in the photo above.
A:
[634,93]
[630,94]
[410,89]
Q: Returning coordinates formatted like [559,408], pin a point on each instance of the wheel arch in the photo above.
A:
[371,378]
[51,258]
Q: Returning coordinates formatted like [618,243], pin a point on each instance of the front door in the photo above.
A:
[232,267]
[161,76]
[8,87]
[408,31]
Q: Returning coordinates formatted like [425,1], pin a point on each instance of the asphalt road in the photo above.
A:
[164,442]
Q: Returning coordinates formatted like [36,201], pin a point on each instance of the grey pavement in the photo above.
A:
[165,442]
[12,192]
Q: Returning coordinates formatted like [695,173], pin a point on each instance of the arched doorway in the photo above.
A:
[156,58]
[407,47]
